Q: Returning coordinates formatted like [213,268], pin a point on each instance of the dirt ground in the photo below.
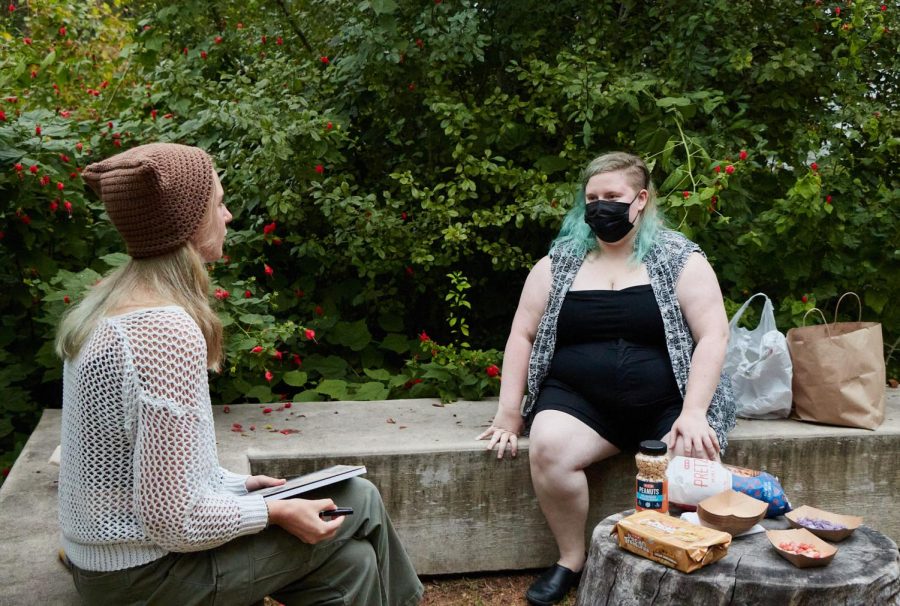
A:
[498,589]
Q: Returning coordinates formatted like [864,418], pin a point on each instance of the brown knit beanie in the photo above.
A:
[156,195]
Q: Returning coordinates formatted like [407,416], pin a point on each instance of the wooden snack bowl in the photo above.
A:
[805,511]
[801,535]
[731,511]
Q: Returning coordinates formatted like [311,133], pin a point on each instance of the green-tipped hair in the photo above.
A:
[576,233]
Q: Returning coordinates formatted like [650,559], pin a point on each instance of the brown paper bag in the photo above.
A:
[839,372]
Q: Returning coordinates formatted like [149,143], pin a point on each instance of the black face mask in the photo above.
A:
[609,219]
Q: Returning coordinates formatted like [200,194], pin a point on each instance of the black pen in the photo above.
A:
[334,513]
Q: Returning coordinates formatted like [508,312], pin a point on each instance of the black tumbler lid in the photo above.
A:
[653,447]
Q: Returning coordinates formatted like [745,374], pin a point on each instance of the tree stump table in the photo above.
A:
[865,571]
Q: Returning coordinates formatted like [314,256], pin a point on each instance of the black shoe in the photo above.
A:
[552,586]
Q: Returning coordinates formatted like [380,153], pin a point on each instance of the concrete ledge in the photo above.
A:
[457,508]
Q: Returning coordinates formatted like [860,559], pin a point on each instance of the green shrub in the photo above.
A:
[371,150]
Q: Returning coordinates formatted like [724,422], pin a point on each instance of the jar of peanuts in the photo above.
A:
[652,486]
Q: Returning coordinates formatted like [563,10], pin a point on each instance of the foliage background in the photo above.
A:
[395,167]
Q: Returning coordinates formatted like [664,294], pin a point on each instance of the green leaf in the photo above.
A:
[383,7]
[379,374]
[310,395]
[396,342]
[330,367]
[295,378]
[261,393]
[354,335]
[372,390]
[333,388]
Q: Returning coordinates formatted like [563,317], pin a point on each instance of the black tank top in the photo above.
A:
[611,347]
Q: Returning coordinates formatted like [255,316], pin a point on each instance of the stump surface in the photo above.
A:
[866,570]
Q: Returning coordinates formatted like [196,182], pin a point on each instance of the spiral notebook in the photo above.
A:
[310,481]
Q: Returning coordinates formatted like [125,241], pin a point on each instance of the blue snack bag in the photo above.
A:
[761,486]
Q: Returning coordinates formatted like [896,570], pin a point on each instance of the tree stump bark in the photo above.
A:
[865,571]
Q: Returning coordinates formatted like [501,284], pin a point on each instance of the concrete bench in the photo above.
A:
[457,508]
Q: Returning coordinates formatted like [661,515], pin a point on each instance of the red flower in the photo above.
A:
[814,166]
[68,206]
[269,228]
[26,40]
[410,272]
[60,186]
[329,126]
[18,167]
[45,180]
[203,54]
[804,298]
[729,169]
[837,11]
[79,146]
[299,293]
[54,205]
[319,310]
[492,371]
[269,376]
[222,294]
[218,39]
[169,116]
[263,39]
[297,360]
[34,73]
[117,142]
[423,337]
[278,355]
[240,25]
[269,271]
[226,409]
[12,9]
[185,51]
[153,114]
[310,334]
[288,404]
[686,194]
[64,158]
[266,410]
[247,294]
[883,7]
[411,86]
[104,84]
[2,115]
[324,60]
[279,41]
[320,169]
[33,168]
[743,154]
[66,299]
[419,43]
[276,241]
[828,199]
[404,216]
[257,349]
[62,31]
[37,130]
[25,219]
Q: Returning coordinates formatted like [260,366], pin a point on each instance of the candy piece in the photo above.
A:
[820,524]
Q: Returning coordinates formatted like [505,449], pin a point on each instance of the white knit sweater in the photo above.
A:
[139,474]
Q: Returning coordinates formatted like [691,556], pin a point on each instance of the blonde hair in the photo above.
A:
[179,277]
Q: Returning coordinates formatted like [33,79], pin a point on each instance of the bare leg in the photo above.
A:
[560,447]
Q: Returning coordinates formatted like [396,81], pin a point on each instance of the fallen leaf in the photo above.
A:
[402,427]
[390,420]
[439,405]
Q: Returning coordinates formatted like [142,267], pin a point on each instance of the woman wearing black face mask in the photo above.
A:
[620,336]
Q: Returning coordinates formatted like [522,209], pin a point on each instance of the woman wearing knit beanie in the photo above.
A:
[147,514]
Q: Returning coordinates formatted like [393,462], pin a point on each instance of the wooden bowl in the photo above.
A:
[801,535]
[731,511]
[805,511]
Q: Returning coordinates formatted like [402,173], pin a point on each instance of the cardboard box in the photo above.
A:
[671,541]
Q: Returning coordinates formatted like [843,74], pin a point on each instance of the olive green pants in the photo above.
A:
[364,564]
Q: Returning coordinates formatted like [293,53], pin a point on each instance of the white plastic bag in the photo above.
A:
[759,364]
